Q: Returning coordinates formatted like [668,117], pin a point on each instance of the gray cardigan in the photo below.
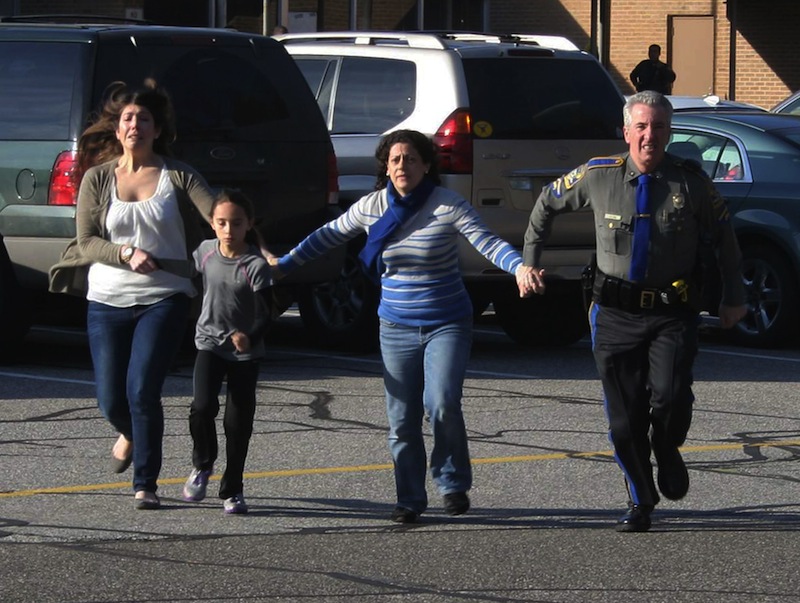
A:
[91,244]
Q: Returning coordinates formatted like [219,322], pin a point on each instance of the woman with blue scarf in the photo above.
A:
[413,226]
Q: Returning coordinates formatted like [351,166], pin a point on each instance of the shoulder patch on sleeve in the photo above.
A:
[604,162]
[574,177]
[567,181]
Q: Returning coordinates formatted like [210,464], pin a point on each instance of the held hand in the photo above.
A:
[268,255]
[273,264]
[241,342]
[730,315]
[142,262]
[530,280]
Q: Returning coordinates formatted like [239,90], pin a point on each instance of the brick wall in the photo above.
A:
[568,18]
[767,68]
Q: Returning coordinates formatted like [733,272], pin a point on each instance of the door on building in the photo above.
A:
[691,44]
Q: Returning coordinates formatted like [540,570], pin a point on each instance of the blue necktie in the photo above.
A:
[641,229]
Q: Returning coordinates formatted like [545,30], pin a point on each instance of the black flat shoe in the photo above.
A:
[121,465]
[403,515]
[637,519]
[146,501]
[673,478]
[456,503]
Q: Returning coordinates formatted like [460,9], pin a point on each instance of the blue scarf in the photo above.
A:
[400,210]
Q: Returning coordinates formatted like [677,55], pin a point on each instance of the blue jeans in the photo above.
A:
[132,351]
[424,369]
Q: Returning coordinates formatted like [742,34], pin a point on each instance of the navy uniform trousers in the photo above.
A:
[645,365]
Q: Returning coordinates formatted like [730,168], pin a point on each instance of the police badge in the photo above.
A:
[678,201]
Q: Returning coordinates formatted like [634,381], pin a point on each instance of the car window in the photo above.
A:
[719,157]
[533,98]
[793,108]
[730,165]
[37,82]
[313,69]
[373,95]
[320,73]
[215,91]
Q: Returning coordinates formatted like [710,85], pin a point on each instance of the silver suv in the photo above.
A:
[508,114]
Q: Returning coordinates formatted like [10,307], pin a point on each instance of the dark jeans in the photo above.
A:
[132,351]
[240,408]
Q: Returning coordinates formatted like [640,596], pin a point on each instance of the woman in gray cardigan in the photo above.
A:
[138,220]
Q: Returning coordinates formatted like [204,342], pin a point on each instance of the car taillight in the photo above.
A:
[454,141]
[63,188]
[333,179]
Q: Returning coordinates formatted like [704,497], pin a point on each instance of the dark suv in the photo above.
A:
[509,114]
[245,119]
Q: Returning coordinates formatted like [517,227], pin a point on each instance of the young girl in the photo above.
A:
[229,340]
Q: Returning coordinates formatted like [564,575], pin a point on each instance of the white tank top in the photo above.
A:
[154,225]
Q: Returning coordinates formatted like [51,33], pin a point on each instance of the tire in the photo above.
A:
[13,309]
[343,313]
[772,297]
[557,318]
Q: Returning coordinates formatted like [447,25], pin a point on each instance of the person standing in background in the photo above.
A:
[652,73]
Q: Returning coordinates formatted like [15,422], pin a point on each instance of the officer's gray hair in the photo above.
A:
[651,98]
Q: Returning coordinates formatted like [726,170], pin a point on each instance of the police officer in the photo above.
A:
[645,297]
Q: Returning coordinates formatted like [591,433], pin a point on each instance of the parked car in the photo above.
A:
[245,119]
[709,102]
[754,160]
[508,115]
[791,105]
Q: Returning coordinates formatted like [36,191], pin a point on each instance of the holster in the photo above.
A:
[587,281]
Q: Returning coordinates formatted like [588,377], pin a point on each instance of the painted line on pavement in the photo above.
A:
[552,456]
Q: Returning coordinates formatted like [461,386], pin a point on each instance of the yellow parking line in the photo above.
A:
[553,456]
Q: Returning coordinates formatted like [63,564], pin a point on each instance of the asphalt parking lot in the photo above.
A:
[320,489]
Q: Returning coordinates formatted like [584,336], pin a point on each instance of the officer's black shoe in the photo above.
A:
[673,478]
[403,515]
[456,503]
[637,519]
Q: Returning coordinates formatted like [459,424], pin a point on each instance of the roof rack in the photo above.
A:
[428,38]
[374,38]
[73,19]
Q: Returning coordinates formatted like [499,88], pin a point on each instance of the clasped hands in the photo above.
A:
[530,280]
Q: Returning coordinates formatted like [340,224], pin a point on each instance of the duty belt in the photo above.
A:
[632,297]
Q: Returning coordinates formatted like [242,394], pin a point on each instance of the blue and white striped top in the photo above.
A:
[421,284]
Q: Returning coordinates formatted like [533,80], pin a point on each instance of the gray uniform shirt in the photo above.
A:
[686,208]
[230,299]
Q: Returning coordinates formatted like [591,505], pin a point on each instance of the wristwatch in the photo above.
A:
[126,254]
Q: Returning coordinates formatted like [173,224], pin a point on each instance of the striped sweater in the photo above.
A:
[421,284]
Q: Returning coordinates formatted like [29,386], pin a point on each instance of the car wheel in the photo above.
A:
[13,309]
[557,318]
[772,297]
[343,313]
